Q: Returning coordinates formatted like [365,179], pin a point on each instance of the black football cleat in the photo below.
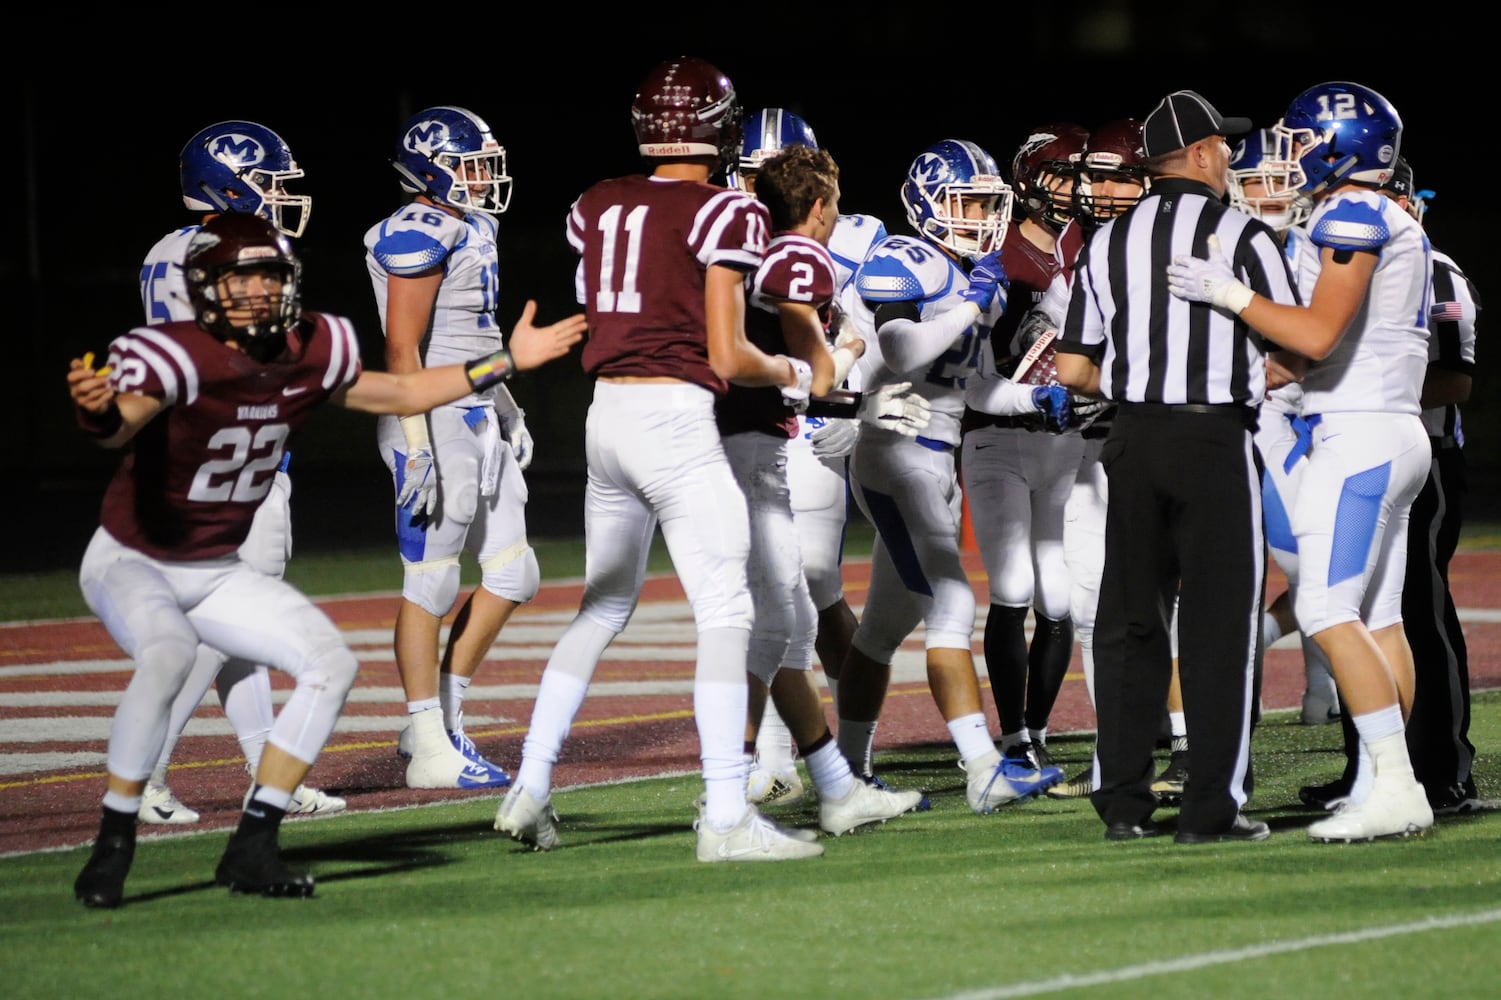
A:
[252,866]
[101,884]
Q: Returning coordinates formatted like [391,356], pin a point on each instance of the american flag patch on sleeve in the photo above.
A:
[1446,312]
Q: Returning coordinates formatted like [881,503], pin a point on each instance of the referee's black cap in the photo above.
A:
[1184,117]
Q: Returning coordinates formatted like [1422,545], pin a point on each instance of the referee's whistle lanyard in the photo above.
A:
[1303,431]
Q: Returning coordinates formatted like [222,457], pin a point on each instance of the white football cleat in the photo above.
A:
[528,820]
[774,786]
[307,801]
[1390,810]
[864,804]
[159,806]
[754,838]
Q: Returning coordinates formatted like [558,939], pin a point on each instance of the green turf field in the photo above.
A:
[431,901]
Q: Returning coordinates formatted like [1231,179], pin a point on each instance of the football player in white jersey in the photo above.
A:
[1366,332]
[458,470]
[929,301]
[816,471]
[230,166]
[1260,185]
[1018,468]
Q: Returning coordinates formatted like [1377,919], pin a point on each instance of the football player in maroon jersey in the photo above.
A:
[662,263]
[163,571]
[1018,469]
[791,305]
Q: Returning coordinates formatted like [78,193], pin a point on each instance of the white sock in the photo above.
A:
[971,735]
[428,735]
[830,772]
[451,689]
[774,749]
[1177,723]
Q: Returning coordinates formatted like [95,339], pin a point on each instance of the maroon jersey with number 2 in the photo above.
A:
[196,473]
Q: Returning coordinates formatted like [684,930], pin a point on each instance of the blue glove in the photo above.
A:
[1053,402]
[985,278]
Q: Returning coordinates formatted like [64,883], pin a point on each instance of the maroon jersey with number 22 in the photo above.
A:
[196,473]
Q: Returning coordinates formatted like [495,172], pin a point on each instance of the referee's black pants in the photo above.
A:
[1184,518]
[1438,729]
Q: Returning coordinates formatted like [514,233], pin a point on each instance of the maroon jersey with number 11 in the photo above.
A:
[645,244]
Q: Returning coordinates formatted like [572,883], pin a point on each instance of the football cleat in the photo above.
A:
[774,786]
[754,838]
[101,884]
[252,866]
[159,806]
[863,804]
[1390,810]
[526,819]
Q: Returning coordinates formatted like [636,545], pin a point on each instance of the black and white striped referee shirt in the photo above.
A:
[1150,346]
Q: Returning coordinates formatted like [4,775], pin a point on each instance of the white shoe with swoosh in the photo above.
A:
[754,838]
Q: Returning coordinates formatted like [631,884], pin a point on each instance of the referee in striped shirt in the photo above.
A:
[1184,511]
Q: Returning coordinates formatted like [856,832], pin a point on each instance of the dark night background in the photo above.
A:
[97,129]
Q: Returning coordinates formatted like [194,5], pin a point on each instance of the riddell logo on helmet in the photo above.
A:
[671,149]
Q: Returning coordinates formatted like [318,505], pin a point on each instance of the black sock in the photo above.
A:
[113,823]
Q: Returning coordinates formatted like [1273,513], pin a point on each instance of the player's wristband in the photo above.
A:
[100,425]
[485,372]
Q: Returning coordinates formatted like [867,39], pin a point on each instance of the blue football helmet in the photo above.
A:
[237,166]
[943,186]
[1277,201]
[1340,131]
[449,154]
[767,133]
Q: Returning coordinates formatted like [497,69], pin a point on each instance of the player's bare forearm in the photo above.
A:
[1078,373]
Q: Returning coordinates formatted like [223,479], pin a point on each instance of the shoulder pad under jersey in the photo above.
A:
[404,247]
[901,269]
[1351,225]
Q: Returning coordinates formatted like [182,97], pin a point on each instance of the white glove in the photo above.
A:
[835,439]
[896,408]
[521,438]
[797,394]
[1211,280]
[419,480]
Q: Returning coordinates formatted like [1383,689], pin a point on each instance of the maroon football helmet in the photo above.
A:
[687,107]
[237,243]
[1114,156]
[1042,165]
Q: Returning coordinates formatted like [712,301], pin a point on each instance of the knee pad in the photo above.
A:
[875,643]
[611,612]
[334,669]
[433,585]
[513,573]
[764,657]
